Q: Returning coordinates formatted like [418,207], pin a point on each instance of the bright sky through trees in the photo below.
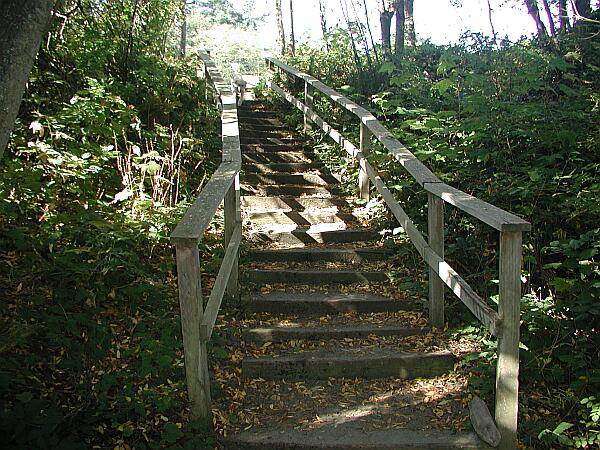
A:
[436,20]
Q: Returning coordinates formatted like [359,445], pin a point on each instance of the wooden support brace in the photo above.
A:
[435,223]
[190,301]
[231,205]
[363,178]
[308,101]
[509,309]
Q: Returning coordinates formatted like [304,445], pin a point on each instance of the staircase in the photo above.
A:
[334,355]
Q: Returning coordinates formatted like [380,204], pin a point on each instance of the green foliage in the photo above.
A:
[111,144]
[516,126]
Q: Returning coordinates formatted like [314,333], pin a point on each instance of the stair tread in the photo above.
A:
[350,435]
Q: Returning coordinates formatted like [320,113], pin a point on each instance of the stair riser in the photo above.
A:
[275,148]
[278,204]
[332,255]
[289,190]
[400,366]
[252,157]
[273,141]
[314,277]
[316,308]
[266,133]
[245,115]
[283,167]
[328,237]
[283,335]
[283,178]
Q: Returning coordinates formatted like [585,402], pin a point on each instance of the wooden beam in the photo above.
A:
[308,101]
[435,224]
[197,218]
[190,301]
[509,308]
[493,216]
[233,220]
[228,268]
[363,178]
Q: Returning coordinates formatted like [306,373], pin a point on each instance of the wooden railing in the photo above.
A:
[223,187]
[504,324]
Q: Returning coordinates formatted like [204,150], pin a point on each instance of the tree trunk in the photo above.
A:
[23,23]
[563,16]
[280,29]
[534,12]
[183,41]
[292,36]
[490,18]
[370,31]
[550,18]
[322,13]
[400,22]
[385,19]
[409,24]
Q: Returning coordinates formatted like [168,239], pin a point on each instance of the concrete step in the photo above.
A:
[268,276]
[319,303]
[325,332]
[369,364]
[283,167]
[320,254]
[289,190]
[296,156]
[286,178]
[245,125]
[250,120]
[273,147]
[287,204]
[290,221]
[351,436]
[304,237]
[245,114]
[287,141]
[266,133]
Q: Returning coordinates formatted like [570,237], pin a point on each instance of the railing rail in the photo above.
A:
[223,187]
[505,323]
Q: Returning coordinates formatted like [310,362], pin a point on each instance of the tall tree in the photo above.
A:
[386,12]
[366,9]
[280,28]
[409,27]
[563,16]
[550,17]
[323,16]
[400,25]
[292,35]
[534,12]
[183,40]
[23,23]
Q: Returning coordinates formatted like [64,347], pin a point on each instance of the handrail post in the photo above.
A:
[231,206]
[308,101]
[509,309]
[435,226]
[196,357]
[363,178]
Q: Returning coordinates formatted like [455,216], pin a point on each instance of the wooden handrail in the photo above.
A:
[505,323]
[487,213]
[222,188]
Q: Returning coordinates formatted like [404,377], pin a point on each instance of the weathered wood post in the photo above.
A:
[363,178]
[308,101]
[231,206]
[190,301]
[435,226]
[509,310]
